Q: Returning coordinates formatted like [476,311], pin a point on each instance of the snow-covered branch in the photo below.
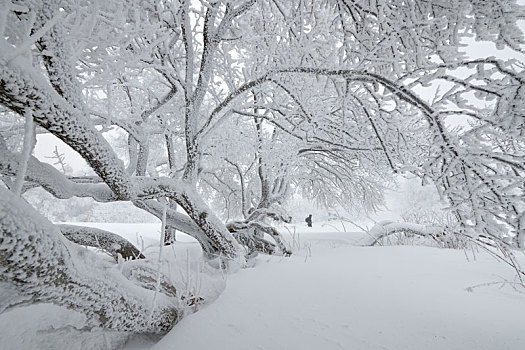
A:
[37,262]
[386,228]
[109,242]
[21,87]
[51,179]
[179,222]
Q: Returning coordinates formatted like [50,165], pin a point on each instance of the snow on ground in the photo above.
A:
[332,294]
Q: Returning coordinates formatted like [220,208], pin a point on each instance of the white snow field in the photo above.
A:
[331,294]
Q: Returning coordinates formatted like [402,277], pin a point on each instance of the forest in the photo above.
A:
[212,115]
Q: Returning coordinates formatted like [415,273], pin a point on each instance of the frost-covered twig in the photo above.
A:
[159,260]
[26,45]
[507,254]
[60,160]
[29,143]
[50,178]
[518,286]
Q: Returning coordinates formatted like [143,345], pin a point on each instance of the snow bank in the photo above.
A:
[333,295]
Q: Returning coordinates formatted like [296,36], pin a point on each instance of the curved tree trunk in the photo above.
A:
[109,242]
[19,90]
[178,221]
[37,262]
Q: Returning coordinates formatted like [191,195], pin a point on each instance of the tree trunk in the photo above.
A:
[109,242]
[50,111]
[36,261]
[18,91]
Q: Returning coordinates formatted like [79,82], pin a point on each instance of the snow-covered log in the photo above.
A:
[109,242]
[386,228]
[37,262]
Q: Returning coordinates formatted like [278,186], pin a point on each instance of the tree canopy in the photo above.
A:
[228,107]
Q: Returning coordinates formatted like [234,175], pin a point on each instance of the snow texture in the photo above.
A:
[38,262]
[331,294]
[334,295]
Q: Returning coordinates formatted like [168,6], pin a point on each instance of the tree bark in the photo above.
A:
[251,235]
[19,90]
[109,242]
[36,261]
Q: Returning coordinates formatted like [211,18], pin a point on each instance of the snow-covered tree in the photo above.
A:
[328,96]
